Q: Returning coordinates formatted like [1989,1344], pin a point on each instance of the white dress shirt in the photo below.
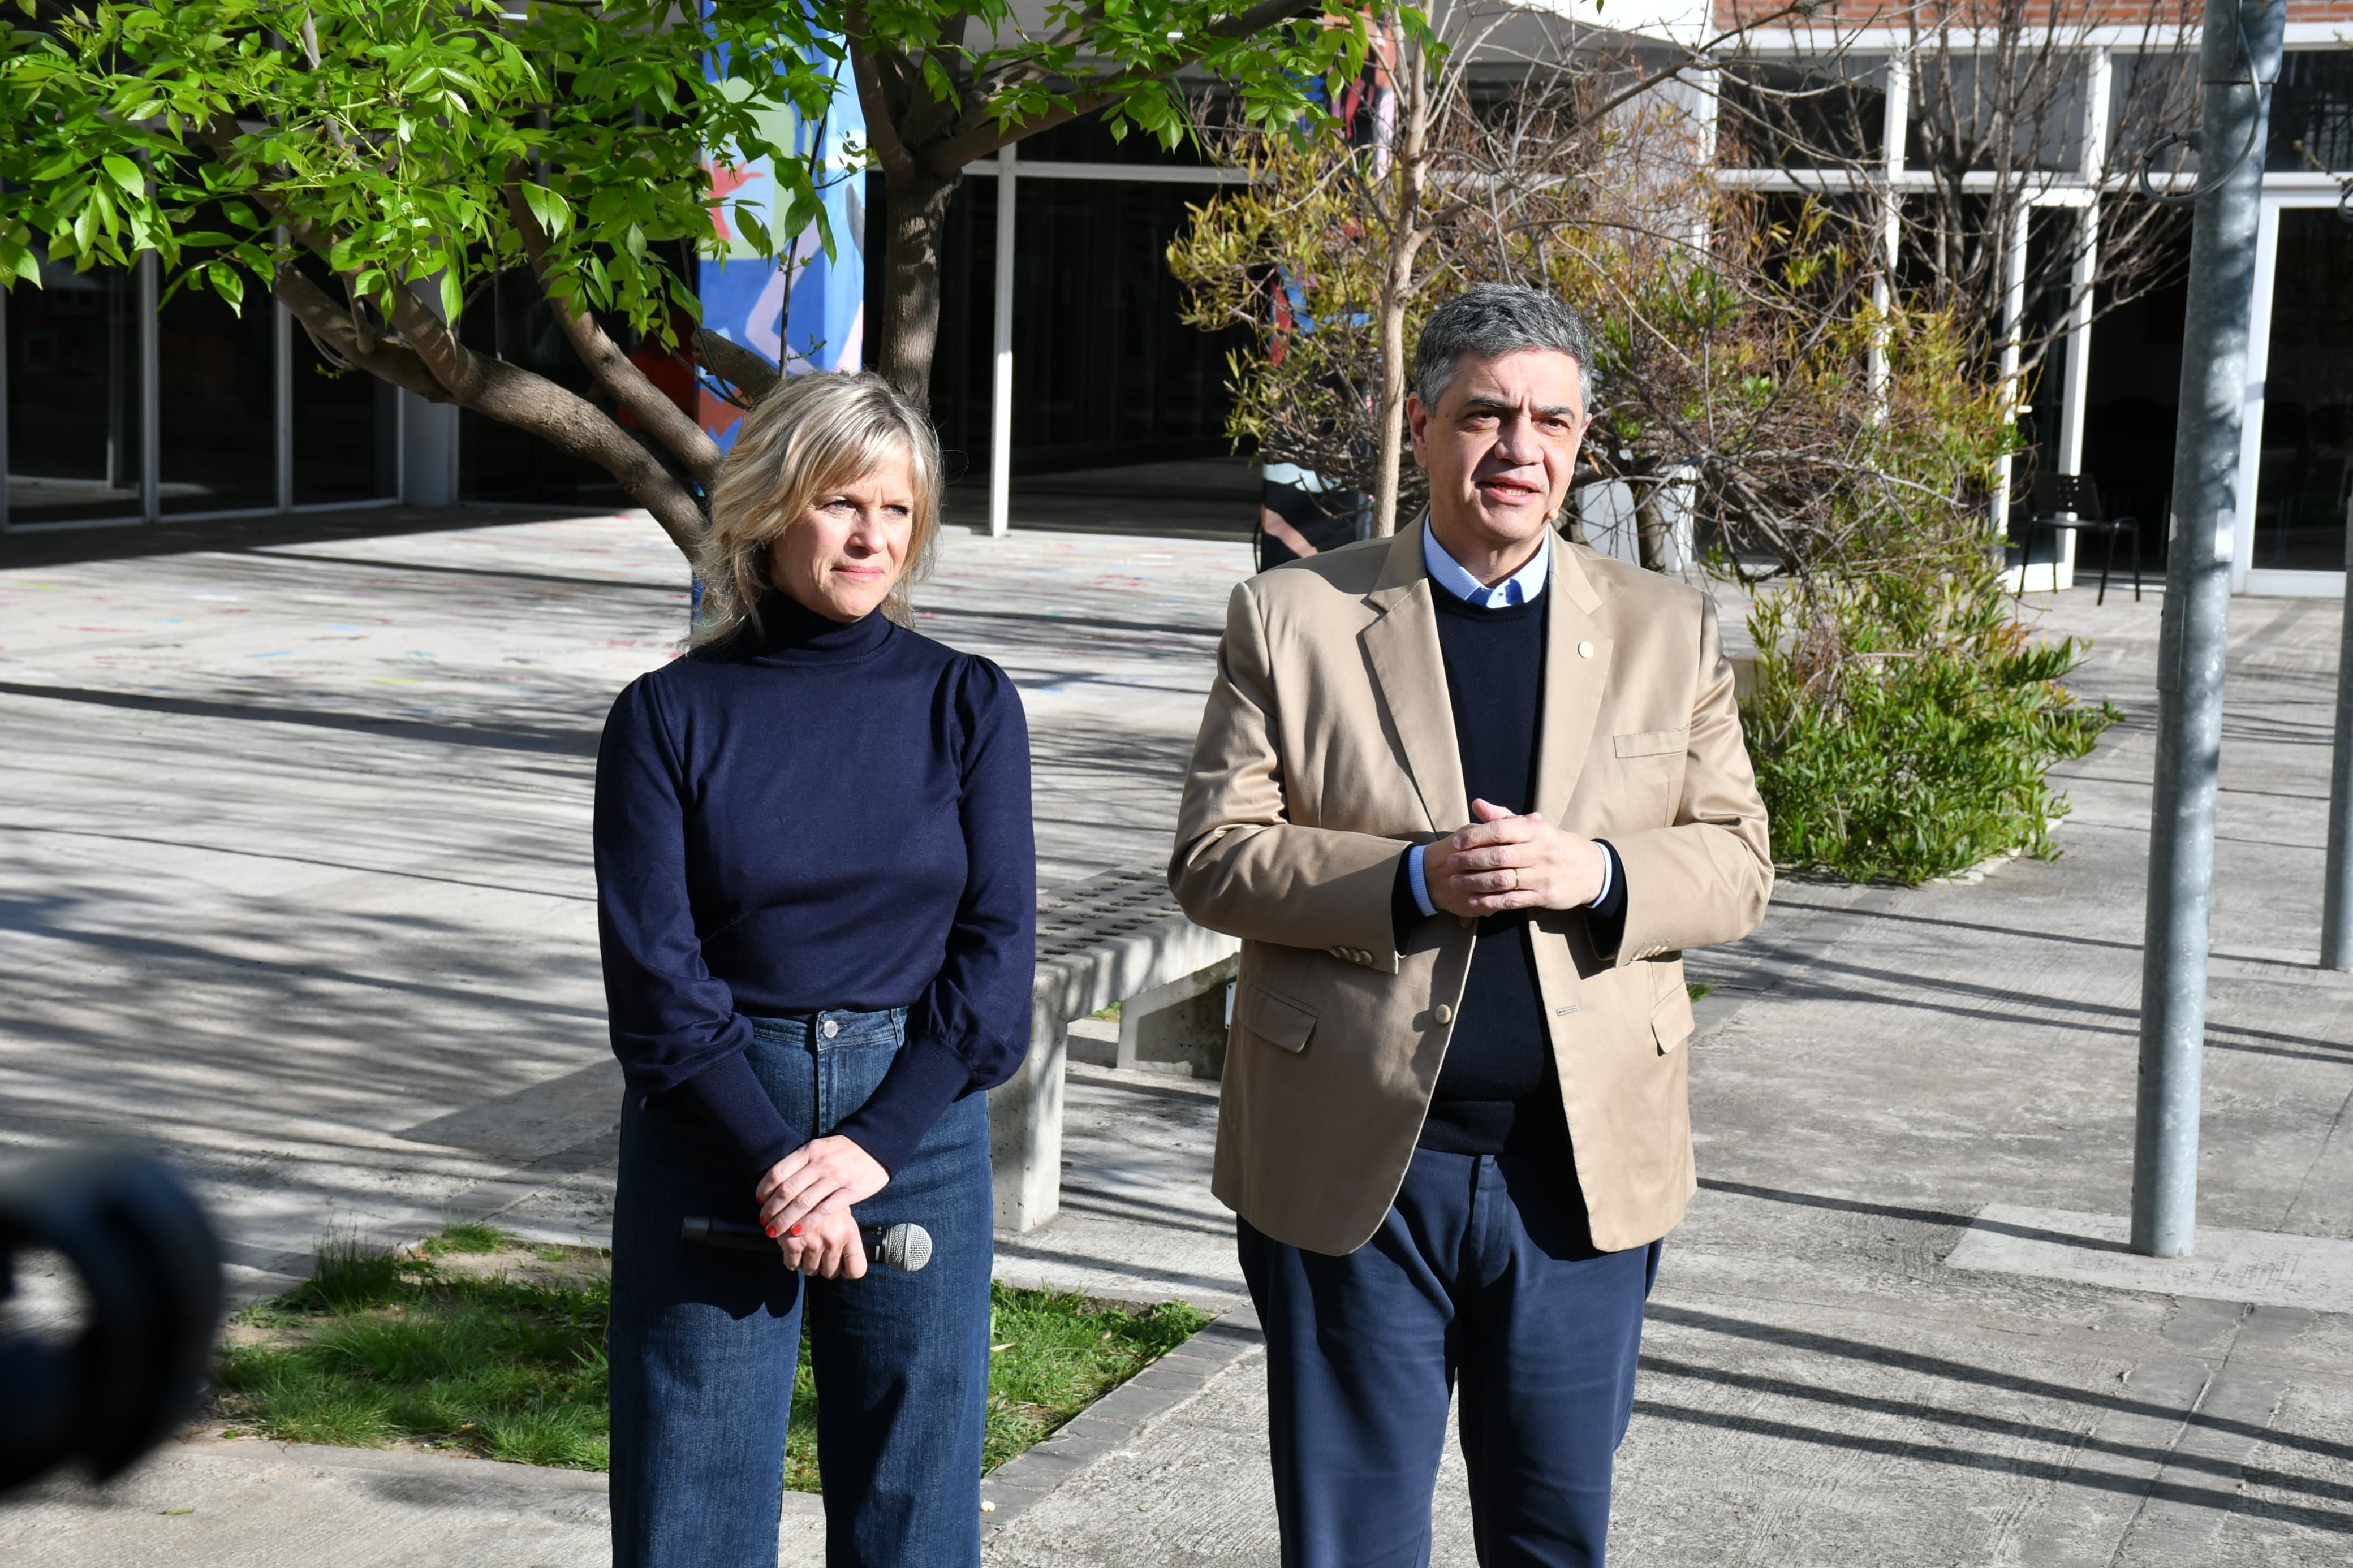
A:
[1524,586]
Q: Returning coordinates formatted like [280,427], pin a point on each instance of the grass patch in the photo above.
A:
[1695,989]
[1110,1011]
[485,1350]
[464,1240]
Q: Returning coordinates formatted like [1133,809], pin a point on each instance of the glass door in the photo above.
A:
[2304,469]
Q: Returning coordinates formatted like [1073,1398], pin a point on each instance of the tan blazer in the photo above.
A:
[1327,748]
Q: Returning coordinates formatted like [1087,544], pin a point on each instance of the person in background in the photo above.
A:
[1301,513]
[1465,794]
[817,896]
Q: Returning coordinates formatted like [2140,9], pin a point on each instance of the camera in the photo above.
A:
[131,1365]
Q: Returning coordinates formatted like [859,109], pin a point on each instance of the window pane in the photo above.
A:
[73,396]
[507,315]
[2302,490]
[1959,104]
[1797,117]
[2133,391]
[346,430]
[2312,113]
[213,371]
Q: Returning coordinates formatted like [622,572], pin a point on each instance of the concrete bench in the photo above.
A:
[1118,937]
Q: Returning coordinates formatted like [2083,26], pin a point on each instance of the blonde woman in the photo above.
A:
[817,892]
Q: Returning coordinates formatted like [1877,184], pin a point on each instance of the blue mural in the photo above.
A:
[805,311]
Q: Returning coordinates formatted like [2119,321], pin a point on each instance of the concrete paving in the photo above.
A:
[1822,1385]
[253,1504]
[293,875]
[334,955]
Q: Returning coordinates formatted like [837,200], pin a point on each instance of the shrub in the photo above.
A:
[1904,719]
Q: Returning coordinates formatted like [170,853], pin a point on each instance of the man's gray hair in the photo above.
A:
[1492,319]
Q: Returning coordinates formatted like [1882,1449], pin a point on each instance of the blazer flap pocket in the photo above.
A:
[1671,1019]
[1654,742]
[1273,1018]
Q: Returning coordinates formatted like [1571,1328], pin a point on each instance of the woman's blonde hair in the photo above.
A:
[810,433]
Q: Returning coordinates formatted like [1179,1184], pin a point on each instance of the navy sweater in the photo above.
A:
[1498,1089]
[817,815]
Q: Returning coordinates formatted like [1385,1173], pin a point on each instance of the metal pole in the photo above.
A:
[2336,897]
[1000,375]
[2191,648]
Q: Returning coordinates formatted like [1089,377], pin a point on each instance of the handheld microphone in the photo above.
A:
[903,1247]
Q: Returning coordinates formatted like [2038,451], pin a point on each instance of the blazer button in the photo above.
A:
[1443,1014]
[1585,651]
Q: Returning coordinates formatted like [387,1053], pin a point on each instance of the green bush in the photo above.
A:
[1916,761]
[1904,720]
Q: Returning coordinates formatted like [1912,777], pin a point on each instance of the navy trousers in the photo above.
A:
[705,1341]
[1482,1278]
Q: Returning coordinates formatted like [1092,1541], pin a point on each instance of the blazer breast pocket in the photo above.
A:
[1654,742]
[1272,1018]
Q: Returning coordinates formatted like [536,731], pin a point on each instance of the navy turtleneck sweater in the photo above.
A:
[817,815]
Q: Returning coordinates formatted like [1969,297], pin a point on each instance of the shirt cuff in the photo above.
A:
[1420,888]
[1605,917]
[1608,875]
[729,1095]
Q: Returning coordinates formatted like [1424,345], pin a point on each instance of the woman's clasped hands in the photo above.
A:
[805,1203]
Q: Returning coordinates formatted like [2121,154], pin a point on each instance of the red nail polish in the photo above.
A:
[797,1230]
[772,1232]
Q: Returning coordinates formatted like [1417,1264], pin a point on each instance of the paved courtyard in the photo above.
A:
[292,885]
[293,832]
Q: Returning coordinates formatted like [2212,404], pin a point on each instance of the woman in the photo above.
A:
[817,892]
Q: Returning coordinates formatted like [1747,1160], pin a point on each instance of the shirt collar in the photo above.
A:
[1521,587]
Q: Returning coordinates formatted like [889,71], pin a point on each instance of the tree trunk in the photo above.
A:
[1650,520]
[1406,235]
[916,211]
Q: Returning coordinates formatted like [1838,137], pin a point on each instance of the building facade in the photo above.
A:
[119,409]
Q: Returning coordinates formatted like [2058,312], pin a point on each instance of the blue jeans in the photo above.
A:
[1482,1274]
[705,1341]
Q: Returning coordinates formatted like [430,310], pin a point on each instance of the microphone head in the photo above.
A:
[906,1248]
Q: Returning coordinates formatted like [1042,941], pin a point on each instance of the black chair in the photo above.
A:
[2070,502]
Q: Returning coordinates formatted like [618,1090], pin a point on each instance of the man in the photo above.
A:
[1466,795]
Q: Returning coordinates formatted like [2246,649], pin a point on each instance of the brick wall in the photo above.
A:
[2074,13]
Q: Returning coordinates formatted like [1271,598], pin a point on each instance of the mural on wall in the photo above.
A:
[805,311]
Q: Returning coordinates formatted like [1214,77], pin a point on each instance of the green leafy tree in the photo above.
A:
[370,164]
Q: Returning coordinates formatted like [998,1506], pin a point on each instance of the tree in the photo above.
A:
[944,85]
[1902,719]
[374,166]
[1500,114]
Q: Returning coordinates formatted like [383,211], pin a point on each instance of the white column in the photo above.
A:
[2077,387]
[2013,323]
[1000,370]
[2099,83]
[1707,122]
[2242,540]
[1895,125]
[2074,389]
[151,397]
